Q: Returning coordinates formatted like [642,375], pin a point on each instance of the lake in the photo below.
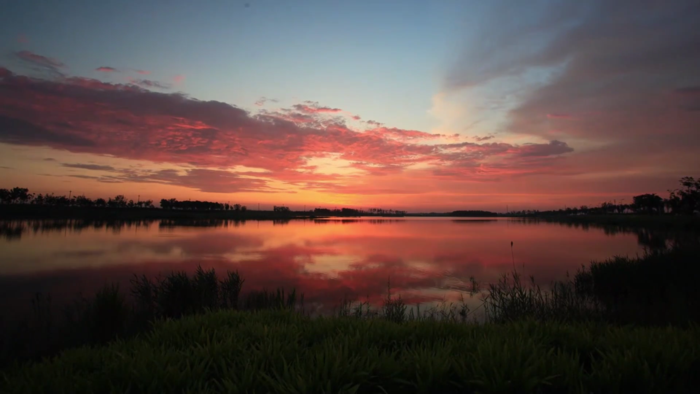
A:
[425,259]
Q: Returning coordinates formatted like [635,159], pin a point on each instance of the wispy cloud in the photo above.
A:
[106,69]
[262,100]
[94,167]
[484,138]
[311,107]
[147,83]
[601,71]
[41,63]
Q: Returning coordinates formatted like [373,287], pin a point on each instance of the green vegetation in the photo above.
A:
[285,352]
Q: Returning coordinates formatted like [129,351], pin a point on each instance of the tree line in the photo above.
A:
[681,201]
[359,212]
[200,205]
[19,195]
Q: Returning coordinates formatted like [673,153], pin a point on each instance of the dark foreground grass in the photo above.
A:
[285,352]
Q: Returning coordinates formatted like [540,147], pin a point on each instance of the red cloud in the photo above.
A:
[87,115]
[106,69]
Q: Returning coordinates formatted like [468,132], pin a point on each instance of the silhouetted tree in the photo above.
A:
[648,203]
[687,199]
[15,195]
[5,196]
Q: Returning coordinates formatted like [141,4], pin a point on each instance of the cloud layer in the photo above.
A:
[131,122]
[620,78]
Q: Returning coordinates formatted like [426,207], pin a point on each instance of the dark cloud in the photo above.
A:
[542,150]
[42,63]
[483,138]
[18,131]
[689,91]
[95,167]
[147,83]
[598,71]
[212,181]
[312,107]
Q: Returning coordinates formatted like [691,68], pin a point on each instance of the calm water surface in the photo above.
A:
[327,260]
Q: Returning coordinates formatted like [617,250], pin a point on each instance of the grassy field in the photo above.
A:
[285,352]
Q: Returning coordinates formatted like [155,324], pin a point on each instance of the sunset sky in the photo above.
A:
[416,105]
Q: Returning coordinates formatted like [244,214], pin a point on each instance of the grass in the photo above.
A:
[286,352]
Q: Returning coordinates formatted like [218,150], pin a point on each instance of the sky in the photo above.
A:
[414,105]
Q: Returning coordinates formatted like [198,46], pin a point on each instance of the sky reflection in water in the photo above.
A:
[327,260]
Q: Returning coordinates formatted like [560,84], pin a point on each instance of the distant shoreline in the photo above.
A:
[40,212]
[44,212]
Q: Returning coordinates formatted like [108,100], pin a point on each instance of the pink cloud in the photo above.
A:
[143,72]
[131,122]
[404,135]
[22,39]
[106,69]
[179,78]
